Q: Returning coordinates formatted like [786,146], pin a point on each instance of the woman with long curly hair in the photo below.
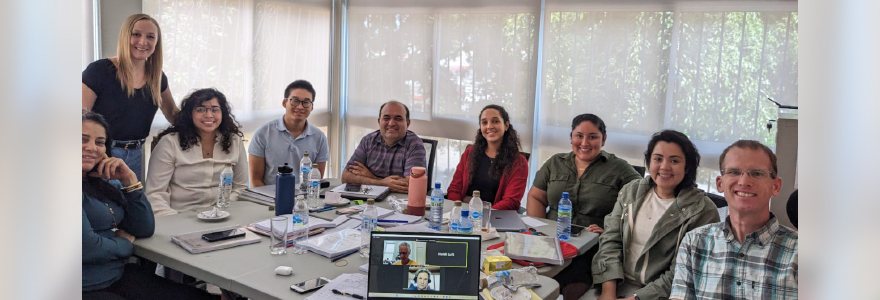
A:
[493,165]
[186,163]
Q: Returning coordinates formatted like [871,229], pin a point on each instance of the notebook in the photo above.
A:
[423,265]
[377,192]
[193,242]
[314,222]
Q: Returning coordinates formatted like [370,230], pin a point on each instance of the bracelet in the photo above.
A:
[134,187]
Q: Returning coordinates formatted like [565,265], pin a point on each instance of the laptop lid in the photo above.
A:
[423,265]
[506,220]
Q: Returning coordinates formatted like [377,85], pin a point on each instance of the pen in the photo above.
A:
[392,221]
[343,255]
[323,209]
[356,296]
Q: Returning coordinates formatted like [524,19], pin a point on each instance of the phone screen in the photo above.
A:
[222,235]
[576,230]
[309,285]
[353,187]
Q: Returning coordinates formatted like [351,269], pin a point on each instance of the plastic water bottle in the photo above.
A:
[563,218]
[476,207]
[285,190]
[305,167]
[436,218]
[371,216]
[314,187]
[225,186]
[454,217]
[300,220]
[465,225]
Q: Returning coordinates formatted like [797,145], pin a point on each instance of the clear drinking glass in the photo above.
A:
[487,216]
[279,228]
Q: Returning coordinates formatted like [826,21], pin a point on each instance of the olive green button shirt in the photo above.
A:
[593,194]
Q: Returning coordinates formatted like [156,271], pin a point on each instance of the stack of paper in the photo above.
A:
[264,193]
[347,283]
[398,219]
[367,191]
[383,212]
[194,243]
[314,222]
[535,248]
[334,244]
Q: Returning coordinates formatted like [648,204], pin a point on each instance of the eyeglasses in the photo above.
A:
[753,173]
[294,103]
[214,109]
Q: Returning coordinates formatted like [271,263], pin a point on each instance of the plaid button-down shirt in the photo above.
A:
[384,161]
[713,264]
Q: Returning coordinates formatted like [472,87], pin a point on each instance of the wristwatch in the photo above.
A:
[637,296]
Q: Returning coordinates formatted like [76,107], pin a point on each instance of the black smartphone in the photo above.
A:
[353,187]
[310,285]
[223,235]
[576,230]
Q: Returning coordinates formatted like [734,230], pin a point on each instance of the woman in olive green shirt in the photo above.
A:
[592,178]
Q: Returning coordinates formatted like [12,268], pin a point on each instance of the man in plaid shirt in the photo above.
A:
[749,255]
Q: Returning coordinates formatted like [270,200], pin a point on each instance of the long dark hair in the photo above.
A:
[691,156]
[508,152]
[100,188]
[186,130]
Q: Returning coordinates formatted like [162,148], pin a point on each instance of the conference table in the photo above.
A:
[249,270]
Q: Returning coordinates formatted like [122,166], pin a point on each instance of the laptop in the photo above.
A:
[506,220]
[407,265]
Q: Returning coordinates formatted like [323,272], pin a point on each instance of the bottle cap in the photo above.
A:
[458,203]
[564,194]
[314,165]
[465,213]
[476,194]
[436,185]
[306,154]
[285,169]
[371,201]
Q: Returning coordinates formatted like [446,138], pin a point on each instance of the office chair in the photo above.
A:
[431,150]
[639,169]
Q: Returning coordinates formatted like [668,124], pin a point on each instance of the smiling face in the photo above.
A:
[422,280]
[94,144]
[744,194]
[393,122]
[587,141]
[207,116]
[493,126]
[143,39]
[667,168]
[294,110]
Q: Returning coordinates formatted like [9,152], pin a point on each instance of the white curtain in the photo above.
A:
[248,49]
[446,61]
[88,33]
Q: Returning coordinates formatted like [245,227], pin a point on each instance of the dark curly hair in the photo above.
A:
[691,156]
[186,130]
[100,188]
[508,152]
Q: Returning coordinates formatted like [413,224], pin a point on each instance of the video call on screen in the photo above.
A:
[419,265]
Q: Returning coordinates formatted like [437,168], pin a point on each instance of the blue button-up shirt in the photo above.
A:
[274,143]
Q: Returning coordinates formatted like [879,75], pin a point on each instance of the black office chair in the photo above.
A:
[791,208]
[717,199]
[431,150]
[640,170]
[526,154]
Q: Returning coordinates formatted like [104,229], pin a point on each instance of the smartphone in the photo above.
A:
[223,235]
[576,230]
[353,187]
[310,285]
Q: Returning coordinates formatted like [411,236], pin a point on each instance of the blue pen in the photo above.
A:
[325,208]
[343,255]
[392,221]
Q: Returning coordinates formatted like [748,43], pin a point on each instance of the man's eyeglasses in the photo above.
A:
[214,109]
[753,173]
[294,103]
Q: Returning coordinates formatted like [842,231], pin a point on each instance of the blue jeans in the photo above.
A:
[134,158]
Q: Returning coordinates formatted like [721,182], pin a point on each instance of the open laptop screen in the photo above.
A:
[423,266]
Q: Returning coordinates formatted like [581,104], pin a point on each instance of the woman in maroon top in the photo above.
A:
[493,165]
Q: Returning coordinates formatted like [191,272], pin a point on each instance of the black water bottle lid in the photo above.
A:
[285,169]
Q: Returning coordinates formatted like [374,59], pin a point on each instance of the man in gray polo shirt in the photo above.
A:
[284,140]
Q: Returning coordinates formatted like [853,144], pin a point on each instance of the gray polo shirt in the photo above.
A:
[273,142]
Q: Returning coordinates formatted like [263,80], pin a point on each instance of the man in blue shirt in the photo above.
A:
[286,139]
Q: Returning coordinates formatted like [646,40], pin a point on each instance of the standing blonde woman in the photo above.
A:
[128,89]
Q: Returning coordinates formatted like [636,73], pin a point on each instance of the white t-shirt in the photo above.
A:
[652,209]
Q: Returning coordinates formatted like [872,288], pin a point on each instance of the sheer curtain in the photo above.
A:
[249,50]
[701,68]
[446,61]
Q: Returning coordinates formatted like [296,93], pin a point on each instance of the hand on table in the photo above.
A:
[595,229]
[396,183]
[126,235]
[360,169]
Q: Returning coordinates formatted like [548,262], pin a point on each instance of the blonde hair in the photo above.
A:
[153,68]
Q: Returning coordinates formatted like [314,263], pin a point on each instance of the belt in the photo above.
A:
[133,144]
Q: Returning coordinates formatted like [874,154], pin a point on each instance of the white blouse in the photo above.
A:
[183,180]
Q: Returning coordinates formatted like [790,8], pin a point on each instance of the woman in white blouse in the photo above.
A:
[184,171]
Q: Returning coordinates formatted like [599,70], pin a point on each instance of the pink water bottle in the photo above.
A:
[418,189]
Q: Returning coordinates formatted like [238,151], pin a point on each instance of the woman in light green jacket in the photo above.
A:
[637,251]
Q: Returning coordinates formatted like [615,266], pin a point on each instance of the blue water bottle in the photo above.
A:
[563,218]
[285,190]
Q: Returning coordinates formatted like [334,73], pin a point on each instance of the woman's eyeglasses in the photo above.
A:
[202,109]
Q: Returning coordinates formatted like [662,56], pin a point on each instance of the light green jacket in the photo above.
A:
[655,266]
